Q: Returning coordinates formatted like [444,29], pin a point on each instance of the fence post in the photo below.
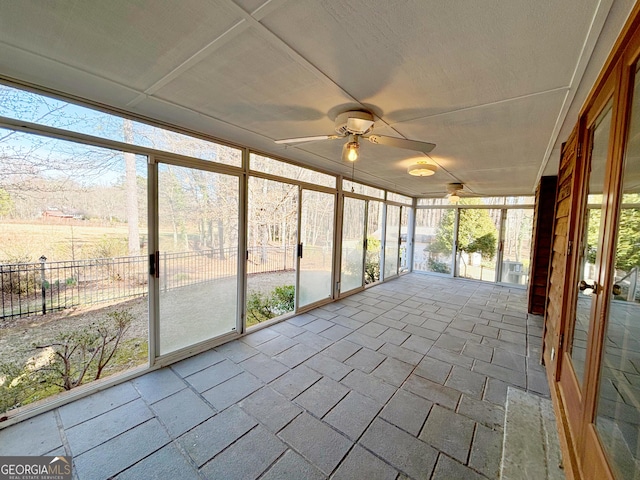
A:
[43,259]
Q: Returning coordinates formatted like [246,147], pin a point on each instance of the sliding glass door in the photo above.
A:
[196,262]
[353,239]
[315,249]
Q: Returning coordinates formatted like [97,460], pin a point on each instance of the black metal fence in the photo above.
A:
[38,288]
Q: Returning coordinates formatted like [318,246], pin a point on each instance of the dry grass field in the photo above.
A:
[60,240]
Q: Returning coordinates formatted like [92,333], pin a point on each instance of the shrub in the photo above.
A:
[262,307]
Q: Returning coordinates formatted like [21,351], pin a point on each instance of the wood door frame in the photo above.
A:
[575,395]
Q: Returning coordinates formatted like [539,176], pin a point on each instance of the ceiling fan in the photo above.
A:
[357,124]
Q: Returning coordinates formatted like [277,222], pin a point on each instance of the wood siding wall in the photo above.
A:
[560,244]
[543,221]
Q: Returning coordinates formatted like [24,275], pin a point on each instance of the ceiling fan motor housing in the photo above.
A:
[354,122]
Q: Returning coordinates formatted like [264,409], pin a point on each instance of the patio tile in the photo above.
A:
[93,432]
[486,331]
[341,350]
[196,363]
[395,336]
[260,336]
[288,329]
[449,432]
[301,320]
[212,376]
[365,360]
[211,437]
[336,332]
[422,332]
[270,408]
[318,443]
[365,316]
[296,381]
[159,384]
[449,342]
[486,451]
[247,458]
[509,360]
[361,464]
[35,436]
[466,381]
[237,351]
[481,352]
[450,357]
[448,469]
[292,466]
[403,451]
[432,391]
[365,340]
[393,315]
[167,462]
[407,411]
[97,404]
[372,329]
[435,325]
[318,325]
[117,454]
[483,412]
[264,368]
[347,322]
[277,345]
[412,318]
[417,344]
[328,366]
[314,341]
[433,369]
[232,391]
[400,353]
[322,396]
[353,414]
[393,371]
[295,355]
[495,371]
[347,311]
[496,391]
[369,385]
[182,411]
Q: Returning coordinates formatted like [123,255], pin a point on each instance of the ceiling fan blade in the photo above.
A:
[424,147]
[307,139]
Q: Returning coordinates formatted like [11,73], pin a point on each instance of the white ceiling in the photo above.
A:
[496,85]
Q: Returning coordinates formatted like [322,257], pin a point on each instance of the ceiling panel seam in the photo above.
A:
[595,29]
[71,67]
[193,60]
[485,105]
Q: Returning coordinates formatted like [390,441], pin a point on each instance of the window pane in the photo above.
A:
[273,236]
[395,197]
[478,243]
[354,187]
[516,249]
[434,240]
[374,242]
[391,241]
[198,244]
[73,264]
[287,170]
[36,108]
[618,411]
[352,244]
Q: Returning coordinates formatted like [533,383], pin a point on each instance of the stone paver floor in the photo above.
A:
[407,379]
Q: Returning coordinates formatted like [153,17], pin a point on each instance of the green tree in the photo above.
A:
[476,233]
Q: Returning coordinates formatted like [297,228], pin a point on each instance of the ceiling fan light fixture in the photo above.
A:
[351,150]
[421,169]
[454,198]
